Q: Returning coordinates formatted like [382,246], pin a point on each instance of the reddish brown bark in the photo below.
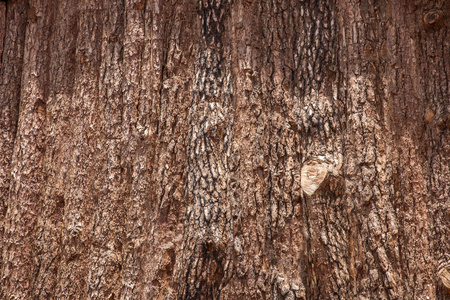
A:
[219,149]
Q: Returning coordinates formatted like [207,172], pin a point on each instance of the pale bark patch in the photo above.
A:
[313,173]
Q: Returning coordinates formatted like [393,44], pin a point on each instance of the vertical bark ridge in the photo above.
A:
[247,161]
[23,203]
[208,237]
[368,156]
[317,118]
[434,69]
[79,159]
[50,222]
[285,26]
[3,23]
[110,187]
[175,68]
[134,139]
[407,95]
[383,136]
[12,39]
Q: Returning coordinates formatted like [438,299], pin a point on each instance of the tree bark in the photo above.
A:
[219,149]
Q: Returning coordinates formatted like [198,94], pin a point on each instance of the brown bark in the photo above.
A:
[218,149]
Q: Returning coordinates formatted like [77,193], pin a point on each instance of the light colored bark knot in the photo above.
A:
[444,275]
[313,174]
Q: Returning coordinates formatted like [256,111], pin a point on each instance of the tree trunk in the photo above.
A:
[219,149]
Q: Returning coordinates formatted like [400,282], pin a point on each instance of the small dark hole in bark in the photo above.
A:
[60,201]
[443,122]
[432,19]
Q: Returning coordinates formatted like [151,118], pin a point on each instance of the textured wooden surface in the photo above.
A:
[153,149]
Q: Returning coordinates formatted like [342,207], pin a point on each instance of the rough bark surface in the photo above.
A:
[220,149]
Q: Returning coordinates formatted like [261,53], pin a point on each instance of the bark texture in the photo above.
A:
[219,149]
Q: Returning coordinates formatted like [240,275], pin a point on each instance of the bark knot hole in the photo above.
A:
[432,19]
